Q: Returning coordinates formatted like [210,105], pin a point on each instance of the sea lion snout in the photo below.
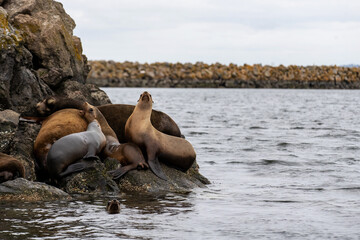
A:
[146,97]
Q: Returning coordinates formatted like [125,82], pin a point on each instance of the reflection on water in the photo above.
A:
[283,164]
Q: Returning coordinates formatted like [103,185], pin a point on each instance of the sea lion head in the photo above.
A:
[46,106]
[145,100]
[88,112]
[113,206]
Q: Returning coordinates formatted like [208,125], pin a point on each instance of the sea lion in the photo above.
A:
[69,149]
[10,168]
[52,104]
[130,157]
[113,207]
[116,115]
[174,151]
[68,121]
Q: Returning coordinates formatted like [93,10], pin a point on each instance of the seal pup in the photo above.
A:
[130,157]
[65,152]
[156,145]
[113,206]
[10,168]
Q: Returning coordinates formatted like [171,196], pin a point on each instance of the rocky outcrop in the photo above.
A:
[39,56]
[133,74]
[23,190]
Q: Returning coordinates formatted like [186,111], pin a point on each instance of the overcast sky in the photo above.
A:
[300,32]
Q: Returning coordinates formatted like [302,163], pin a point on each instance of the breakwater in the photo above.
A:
[134,74]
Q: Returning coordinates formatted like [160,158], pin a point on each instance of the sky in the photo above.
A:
[267,32]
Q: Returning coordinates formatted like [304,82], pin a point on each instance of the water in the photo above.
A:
[284,164]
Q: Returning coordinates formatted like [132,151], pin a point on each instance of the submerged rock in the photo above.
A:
[24,190]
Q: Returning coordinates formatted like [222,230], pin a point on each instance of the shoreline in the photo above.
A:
[201,75]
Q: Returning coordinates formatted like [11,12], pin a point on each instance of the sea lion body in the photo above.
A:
[174,151]
[71,148]
[10,168]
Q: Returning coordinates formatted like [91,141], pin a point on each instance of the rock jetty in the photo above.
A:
[134,74]
[40,57]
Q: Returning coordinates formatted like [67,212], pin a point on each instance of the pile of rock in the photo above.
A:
[133,74]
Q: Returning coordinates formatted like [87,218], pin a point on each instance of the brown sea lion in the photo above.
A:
[68,121]
[174,151]
[64,154]
[116,115]
[10,168]
[130,157]
[113,207]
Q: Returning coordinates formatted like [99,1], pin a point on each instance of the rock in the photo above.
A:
[47,31]
[22,146]
[18,84]
[9,121]
[93,181]
[146,181]
[84,92]
[24,190]
[115,74]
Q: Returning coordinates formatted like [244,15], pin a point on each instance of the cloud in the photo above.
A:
[258,31]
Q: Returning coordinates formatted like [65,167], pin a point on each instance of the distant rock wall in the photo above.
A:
[133,74]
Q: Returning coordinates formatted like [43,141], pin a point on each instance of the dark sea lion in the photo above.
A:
[52,104]
[174,151]
[10,168]
[64,154]
[116,115]
[113,207]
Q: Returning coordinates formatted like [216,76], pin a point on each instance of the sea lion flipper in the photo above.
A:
[118,173]
[77,167]
[155,167]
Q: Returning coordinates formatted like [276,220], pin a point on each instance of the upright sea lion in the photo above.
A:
[69,149]
[10,168]
[116,115]
[172,150]
[113,207]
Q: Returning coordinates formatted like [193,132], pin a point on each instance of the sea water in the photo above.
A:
[283,164]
